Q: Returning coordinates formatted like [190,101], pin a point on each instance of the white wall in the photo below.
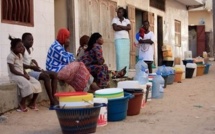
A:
[43,32]
[196,16]
[60,15]
[174,11]
[140,4]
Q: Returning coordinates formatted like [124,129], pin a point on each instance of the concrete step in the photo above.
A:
[9,95]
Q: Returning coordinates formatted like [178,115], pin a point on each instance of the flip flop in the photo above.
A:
[33,108]
[21,109]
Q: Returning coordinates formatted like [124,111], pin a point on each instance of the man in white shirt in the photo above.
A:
[146,50]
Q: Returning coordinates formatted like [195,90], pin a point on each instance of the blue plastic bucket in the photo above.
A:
[207,66]
[78,120]
[117,108]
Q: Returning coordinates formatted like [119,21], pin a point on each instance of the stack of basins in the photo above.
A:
[77,113]
[117,102]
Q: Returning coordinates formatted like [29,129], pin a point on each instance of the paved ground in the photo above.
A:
[187,108]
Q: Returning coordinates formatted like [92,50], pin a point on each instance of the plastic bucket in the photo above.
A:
[187,61]
[200,70]
[102,120]
[117,108]
[134,104]
[75,99]
[177,61]
[189,72]
[79,120]
[207,67]
[109,93]
[168,63]
[170,79]
[178,76]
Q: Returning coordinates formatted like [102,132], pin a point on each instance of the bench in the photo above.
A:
[9,95]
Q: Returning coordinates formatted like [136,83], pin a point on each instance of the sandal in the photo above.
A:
[33,108]
[21,109]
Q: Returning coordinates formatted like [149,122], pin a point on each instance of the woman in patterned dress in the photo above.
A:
[94,60]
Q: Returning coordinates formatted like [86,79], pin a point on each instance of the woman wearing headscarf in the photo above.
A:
[121,26]
[63,62]
[94,60]
[58,55]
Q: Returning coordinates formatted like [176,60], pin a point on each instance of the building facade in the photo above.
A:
[36,17]
[168,20]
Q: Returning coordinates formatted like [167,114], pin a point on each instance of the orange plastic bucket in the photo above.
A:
[134,104]
[178,76]
[200,70]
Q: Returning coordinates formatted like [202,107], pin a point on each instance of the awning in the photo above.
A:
[190,2]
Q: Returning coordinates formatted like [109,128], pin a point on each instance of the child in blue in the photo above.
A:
[27,85]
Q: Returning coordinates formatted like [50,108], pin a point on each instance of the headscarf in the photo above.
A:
[62,35]
[94,37]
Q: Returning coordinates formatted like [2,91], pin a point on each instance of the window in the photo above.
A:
[159,4]
[177,33]
[17,12]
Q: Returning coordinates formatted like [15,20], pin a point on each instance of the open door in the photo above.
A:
[159,40]
[150,17]
[131,16]
[200,40]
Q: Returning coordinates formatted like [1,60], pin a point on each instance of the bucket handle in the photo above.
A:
[130,96]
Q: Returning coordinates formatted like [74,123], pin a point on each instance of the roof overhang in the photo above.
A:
[191,2]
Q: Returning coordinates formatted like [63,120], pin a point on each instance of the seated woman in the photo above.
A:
[59,59]
[94,61]
[83,46]
[58,55]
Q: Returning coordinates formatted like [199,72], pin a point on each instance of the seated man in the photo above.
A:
[33,69]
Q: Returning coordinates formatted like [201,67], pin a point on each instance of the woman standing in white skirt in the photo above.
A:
[121,26]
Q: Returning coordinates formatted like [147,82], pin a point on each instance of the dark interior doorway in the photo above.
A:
[160,39]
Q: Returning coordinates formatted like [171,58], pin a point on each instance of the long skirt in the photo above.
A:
[122,47]
[26,87]
[100,74]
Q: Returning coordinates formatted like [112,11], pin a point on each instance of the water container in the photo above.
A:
[177,61]
[141,72]
[205,54]
[188,55]
[157,87]
[162,70]
[164,73]
[140,65]
[190,70]
[187,61]
[192,65]
[207,66]
[171,77]
[183,68]
[102,120]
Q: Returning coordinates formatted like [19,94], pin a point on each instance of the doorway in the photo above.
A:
[159,39]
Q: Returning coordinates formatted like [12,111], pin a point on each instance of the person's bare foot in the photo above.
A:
[119,74]
[93,87]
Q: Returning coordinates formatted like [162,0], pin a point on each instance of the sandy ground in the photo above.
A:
[187,108]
